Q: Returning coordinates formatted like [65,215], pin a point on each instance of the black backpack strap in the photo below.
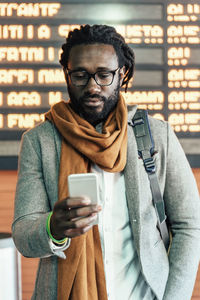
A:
[145,144]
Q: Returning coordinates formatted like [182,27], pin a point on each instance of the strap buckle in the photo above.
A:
[135,122]
[149,165]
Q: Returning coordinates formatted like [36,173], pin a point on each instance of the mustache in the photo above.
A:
[96,96]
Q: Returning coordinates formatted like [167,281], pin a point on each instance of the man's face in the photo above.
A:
[92,101]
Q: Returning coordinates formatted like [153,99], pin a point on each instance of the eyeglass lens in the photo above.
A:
[81,78]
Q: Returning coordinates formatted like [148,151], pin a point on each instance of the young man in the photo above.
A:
[124,256]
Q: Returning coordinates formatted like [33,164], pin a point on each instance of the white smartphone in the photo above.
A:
[85,184]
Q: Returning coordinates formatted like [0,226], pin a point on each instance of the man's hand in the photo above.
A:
[72,217]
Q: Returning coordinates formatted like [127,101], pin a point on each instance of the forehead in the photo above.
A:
[93,56]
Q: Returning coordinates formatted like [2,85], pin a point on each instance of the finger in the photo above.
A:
[71,202]
[77,218]
[77,231]
[82,212]
[79,222]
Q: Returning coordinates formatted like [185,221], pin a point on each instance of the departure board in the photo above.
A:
[165,36]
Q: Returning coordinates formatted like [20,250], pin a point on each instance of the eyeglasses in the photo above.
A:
[102,78]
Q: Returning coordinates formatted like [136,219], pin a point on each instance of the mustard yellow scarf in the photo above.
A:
[81,275]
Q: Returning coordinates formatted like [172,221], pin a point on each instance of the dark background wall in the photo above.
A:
[164,34]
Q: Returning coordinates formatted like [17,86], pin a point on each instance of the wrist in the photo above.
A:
[57,242]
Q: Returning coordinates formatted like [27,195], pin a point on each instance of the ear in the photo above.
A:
[121,74]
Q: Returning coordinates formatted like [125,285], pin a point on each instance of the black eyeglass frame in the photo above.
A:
[92,75]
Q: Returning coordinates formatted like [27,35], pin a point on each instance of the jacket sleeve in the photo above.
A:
[31,203]
[183,211]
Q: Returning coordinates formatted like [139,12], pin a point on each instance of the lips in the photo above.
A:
[92,102]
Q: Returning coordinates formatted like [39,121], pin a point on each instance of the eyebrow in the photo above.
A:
[79,69]
[103,69]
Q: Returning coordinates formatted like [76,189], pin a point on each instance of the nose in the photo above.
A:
[92,87]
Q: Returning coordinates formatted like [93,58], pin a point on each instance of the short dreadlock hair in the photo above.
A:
[101,34]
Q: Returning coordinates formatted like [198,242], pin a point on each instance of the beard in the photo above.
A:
[91,115]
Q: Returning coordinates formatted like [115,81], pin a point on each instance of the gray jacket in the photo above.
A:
[170,277]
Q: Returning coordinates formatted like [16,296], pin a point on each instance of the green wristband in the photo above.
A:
[59,242]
